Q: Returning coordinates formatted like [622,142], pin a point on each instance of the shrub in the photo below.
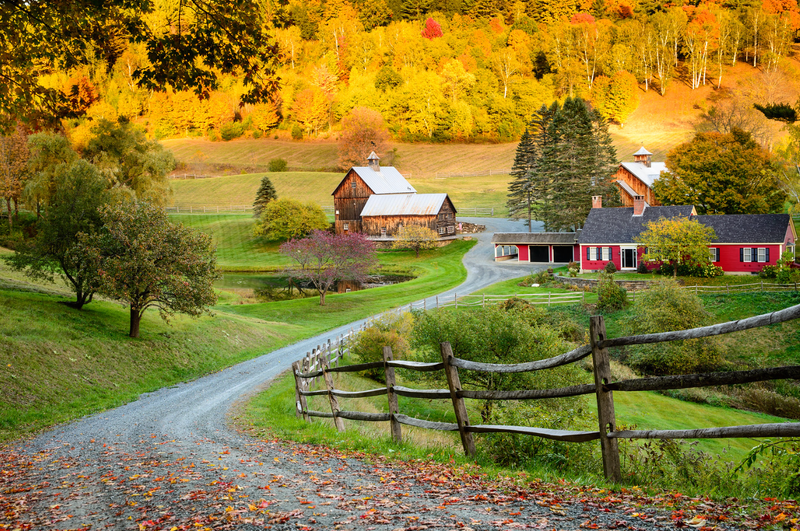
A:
[785,274]
[392,331]
[284,218]
[610,268]
[573,268]
[664,307]
[278,165]
[642,268]
[769,271]
[231,130]
[297,132]
[610,295]
[256,134]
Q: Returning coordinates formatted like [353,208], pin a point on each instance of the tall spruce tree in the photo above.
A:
[529,190]
[265,194]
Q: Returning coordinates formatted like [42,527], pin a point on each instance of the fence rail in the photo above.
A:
[603,389]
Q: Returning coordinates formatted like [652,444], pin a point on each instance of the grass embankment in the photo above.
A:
[488,191]
[59,364]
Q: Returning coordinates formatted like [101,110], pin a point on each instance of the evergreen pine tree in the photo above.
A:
[265,194]
[518,203]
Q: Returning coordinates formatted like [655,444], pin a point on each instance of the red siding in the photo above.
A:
[591,265]
[729,258]
[523,253]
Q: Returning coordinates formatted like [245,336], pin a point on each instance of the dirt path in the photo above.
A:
[171,461]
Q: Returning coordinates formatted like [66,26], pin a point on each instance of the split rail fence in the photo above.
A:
[322,365]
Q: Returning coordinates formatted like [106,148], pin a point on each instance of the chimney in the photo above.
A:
[597,201]
[639,205]
[374,162]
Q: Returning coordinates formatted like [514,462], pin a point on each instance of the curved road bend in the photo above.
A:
[169,458]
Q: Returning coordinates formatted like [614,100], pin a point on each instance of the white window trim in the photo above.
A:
[714,254]
[606,253]
[345,226]
[762,254]
[592,253]
[746,252]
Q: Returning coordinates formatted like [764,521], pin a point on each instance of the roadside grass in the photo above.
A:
[59,363]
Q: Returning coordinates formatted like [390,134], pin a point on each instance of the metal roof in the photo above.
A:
[386,181]
[627,189]
[404,205]
[642,151]
[544,238]
[647,175]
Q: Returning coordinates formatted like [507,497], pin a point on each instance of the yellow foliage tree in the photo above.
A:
[415,237]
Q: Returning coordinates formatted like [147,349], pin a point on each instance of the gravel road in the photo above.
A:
[170,461]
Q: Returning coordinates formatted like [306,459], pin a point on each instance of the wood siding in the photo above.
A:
[349,200]
[637,185]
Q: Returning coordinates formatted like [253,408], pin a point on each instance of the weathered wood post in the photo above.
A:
[394,408]
[454,383]
[328,377]
[301,407]
[605,400]
[455,299]
[484,300]
[437,302]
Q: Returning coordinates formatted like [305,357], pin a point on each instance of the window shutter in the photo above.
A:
[767,254]
[588,256]
[754,254]
[741,254]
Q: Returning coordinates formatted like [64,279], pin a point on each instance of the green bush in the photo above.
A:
[665,306]
[785,274]
[278,165]
[769,271]
[390,331]
[231,130]
[297,132]
[610,295]
[256,133]
[642,268]
[610,268]
[573,268]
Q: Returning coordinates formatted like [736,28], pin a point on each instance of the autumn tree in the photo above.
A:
[148,262]
[14,156]
[415,237]
[617,97]
[265,194]
[122,152]
[324,259]
[283,219]
[212,40]
[48,152]
[79,190]
[363,131]
[310,109]
[676,241]
[721,174]
[432,29]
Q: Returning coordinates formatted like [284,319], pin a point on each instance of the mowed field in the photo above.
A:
[239,190]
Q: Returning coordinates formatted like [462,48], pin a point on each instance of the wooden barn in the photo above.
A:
[377,201]
[636,178]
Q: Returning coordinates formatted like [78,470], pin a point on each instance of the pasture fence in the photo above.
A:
[327,360]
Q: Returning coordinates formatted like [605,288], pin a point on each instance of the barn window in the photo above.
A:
[353,183]
[345,226]
[441,230]
[383,232]
[451,229]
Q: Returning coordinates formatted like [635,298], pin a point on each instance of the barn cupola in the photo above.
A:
[374,162]
[643,156]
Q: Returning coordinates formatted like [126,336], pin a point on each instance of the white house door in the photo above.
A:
[628,258]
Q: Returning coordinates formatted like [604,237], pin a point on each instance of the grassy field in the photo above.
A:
[59,363]
[239,190]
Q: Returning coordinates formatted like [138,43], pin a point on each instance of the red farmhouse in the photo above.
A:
[745,243]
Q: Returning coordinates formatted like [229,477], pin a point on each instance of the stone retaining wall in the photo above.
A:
[583,283]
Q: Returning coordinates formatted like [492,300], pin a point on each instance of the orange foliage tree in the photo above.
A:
[363,131]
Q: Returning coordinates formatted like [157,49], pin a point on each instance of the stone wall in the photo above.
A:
[583,283]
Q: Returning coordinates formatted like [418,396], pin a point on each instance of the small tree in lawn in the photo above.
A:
[415,237]
[148,262]
[283,219]
[265,194]
[676,241]
[325,258]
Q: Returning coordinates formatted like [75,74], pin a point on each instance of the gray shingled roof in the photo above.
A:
[403,205]
[386,181]
[618,225]
[747,228]
[543,238]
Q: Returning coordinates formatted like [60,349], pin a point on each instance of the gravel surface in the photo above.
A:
[170,461]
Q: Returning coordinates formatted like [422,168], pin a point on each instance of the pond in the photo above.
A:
[264,286]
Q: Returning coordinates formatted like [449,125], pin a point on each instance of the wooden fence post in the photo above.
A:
[301,407]
[455,299]
[605,400]
[394,409]
[437,302]
[325,361]
[454,383]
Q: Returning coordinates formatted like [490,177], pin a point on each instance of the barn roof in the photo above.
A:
[619,225]
[647,175]
[642,151]
[543,238]
[386,181]
[747,228]
[404,205]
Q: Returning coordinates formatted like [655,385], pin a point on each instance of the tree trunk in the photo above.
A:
[136,316]
[322,298]
[8,206]
[416,248]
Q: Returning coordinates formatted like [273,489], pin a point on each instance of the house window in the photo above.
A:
[591,253]
[606,253]
[762,254]
[713,254]
[746,255]
[345,226]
